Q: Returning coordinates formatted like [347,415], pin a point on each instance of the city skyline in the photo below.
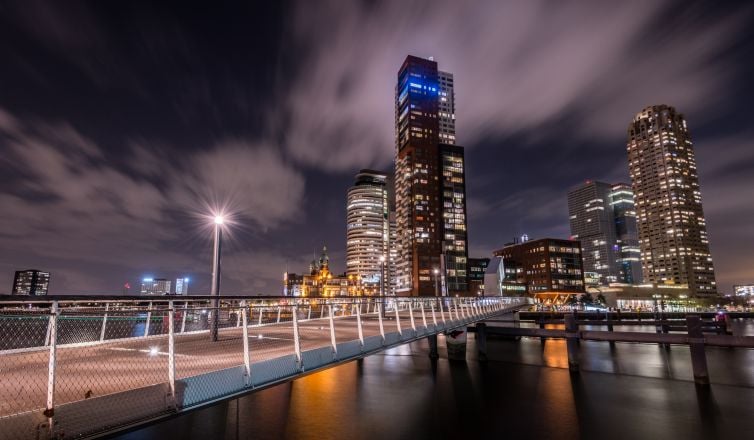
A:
[108,170]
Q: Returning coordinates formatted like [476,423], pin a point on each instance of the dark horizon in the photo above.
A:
[122,126]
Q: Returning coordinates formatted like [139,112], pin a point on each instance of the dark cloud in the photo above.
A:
[71,204]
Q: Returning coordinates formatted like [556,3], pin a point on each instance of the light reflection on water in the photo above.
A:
[524,391]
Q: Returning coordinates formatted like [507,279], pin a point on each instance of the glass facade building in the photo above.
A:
[603,219]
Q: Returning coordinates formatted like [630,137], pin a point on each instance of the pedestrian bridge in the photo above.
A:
[82,367]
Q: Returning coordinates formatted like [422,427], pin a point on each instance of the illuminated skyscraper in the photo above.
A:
[368,230]
[603,219]
[430,186]
[672,229]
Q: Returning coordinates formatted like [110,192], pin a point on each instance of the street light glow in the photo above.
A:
[219,220]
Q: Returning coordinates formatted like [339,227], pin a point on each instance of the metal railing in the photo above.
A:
[77,367]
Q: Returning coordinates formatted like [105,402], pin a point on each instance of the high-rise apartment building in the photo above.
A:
[602,218]
[368,230]
[430,186]
[31,282]
[672,229]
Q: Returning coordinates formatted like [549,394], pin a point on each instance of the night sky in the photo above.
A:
[123,125]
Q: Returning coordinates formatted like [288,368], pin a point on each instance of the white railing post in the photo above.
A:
[261,312]
[442,313]
[53,325]
[104,323]
[332,331]
[238,318]
[358,322]
[398,319]
[379,318]
[278,320]
[411,314]
[246,354]
[309,313]
[368,306]
[424,317]
[171,354]
[454,305]
[321,310]
[183,318]
[296,338]
[49,330]
[149,320]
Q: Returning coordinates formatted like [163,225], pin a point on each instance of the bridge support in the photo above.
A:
[481,340]
[698,356]
[433,354]
[572,342]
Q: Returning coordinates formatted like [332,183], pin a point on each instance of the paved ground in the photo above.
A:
[110,367]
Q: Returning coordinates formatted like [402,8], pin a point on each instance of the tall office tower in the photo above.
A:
[31,282]
[446,110]
[392,253]
[429,182]
[368,231]
[626,234]
[672,229]
[593,224]
[602,218]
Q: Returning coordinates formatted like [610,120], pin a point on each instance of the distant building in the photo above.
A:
[320,282]
[368,230]
[31,282]
[645,296]
[155,286]
[548,269]
[181,286]
[292,284]
[603,219]
[744,289]
[494,276]
[672,229]
[477,269]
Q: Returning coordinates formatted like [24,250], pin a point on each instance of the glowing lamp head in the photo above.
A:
[219,220]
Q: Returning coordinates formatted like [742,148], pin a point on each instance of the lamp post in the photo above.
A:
[437,286]
[382,284]
[215,291]
[382,275]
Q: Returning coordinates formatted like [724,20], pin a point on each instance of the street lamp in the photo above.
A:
[382,275]
[437,285]
[215,290]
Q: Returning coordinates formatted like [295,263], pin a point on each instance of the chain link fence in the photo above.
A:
[78,368]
